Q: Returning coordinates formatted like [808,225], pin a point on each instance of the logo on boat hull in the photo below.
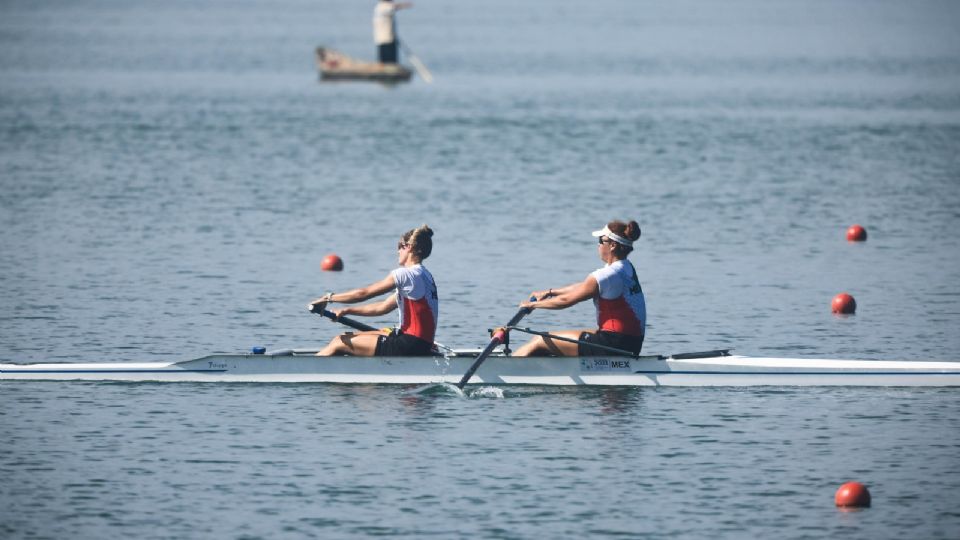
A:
[614,365]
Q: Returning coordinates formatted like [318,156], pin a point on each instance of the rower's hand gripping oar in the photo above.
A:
[498,337]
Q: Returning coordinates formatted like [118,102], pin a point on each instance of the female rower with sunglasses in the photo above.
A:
[616,293]
[415,297]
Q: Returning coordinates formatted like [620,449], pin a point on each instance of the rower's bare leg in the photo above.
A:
[359,344]
[544,346]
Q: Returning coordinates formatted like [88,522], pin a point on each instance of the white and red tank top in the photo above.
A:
[621,306]
[417,301]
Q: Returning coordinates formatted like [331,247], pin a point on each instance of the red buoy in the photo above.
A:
[331,263]
[852,495]
[856,233]
[844,303]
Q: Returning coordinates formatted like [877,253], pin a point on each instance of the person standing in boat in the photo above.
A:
[385,29]
[415,296]
[616,293]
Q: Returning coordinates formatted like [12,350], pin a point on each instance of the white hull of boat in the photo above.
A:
[302,367]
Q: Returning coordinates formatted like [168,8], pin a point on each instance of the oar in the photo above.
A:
[498,337]
[622,352]
[417,64]
[357,325]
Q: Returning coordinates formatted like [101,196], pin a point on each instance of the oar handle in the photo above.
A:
[356,325]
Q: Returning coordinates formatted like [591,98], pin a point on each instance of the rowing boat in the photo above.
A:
[336,66]
[711,368]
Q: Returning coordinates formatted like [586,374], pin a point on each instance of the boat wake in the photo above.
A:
[436,389]
[486,392]
[439,389]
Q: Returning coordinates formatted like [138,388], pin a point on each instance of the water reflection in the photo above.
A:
[620,399]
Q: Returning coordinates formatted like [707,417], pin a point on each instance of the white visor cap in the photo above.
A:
[613,236]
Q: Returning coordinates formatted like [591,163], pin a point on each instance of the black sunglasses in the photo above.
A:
[602,241]
[401,245]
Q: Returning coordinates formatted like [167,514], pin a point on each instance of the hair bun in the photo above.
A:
[425,230]
[632,230]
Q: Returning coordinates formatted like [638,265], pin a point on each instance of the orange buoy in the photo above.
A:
[852,495]
[331,263]
[856,233]
[844,304]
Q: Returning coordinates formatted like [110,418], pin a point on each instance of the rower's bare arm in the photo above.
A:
[567,296]
[548,293]
[363,293]
[358,295]
[372,309]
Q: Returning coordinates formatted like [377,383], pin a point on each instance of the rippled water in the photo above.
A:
[172,175]
[188,460]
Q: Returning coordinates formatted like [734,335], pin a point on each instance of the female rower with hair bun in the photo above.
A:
[616,293]
[415,297]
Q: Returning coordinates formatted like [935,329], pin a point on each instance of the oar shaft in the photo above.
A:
[346,321]
[417,64]
[498,337]
[357,325]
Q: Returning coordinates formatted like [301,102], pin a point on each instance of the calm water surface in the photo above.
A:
[172,174]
